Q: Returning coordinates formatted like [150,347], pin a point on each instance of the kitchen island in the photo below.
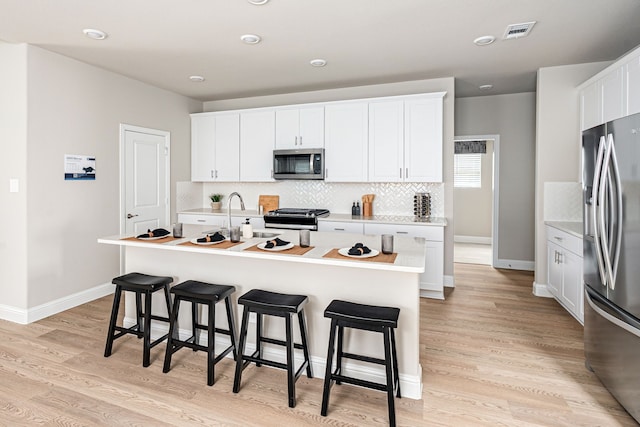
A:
[318,273]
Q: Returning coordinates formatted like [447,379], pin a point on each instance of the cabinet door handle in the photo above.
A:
[295,141]
[300,140]
[339,229]
[212,173]
[400,173]
[201,220]
[558,238]
[216,173]
[402,232]
[406,173]
[326,173]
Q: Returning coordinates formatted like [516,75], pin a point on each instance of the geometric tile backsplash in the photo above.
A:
[391,198]
[562,201]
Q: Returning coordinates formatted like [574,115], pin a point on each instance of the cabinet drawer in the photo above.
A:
[431,233]
[565,240]
[200,219]
[341,227]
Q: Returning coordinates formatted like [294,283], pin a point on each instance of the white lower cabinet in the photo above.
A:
[196,219]
[564,270]
[432,280]
[341,227]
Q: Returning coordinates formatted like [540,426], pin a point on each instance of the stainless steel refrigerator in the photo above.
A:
[611,190]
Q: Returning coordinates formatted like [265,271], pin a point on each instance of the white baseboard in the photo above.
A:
[541,290]
[41,311]
[427,293]
[473,239]
[515,264]
[411,385]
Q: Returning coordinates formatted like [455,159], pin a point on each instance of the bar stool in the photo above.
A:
[207,294]
[280,305]
[344,314]
[141,284]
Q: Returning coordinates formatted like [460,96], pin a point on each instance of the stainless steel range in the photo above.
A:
[294,218]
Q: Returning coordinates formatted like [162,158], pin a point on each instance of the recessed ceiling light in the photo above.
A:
[258,2]
[250,39]
[94,34]
[484,40]
[485,87]
[196,79]
[318,62]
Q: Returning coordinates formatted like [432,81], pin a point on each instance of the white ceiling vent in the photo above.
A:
[515,31]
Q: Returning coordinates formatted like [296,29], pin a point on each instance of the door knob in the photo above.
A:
[129,216]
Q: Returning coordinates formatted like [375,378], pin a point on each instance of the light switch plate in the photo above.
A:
[13,185]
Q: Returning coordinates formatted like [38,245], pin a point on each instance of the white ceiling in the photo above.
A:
[163,42]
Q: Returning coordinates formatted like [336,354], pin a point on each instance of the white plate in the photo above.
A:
[345,252]
[154,238]
[275,248]
[195,242]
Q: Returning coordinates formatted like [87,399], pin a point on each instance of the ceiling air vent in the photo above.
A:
[515,31]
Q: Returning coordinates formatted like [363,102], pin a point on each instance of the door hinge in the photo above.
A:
[166,151]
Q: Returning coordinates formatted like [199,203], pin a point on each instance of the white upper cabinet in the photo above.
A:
[591,106]
[632,74]
[386,141]
[257,141]
[423,139]
[346,140]
[613,95]
[215,147]
[300,127]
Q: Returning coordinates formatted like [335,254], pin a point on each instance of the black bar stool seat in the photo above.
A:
[280,305]
[207,294]
[345,314]
[143,285]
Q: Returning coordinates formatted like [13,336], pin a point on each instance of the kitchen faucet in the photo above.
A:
[235,193]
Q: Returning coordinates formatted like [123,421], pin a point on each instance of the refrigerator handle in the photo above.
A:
[595,196]
[618,205]
[603,194]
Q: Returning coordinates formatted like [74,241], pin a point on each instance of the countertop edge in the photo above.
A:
[572,227]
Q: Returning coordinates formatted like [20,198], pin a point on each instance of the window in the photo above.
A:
[467,170]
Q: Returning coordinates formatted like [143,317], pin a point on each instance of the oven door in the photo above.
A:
[290,223]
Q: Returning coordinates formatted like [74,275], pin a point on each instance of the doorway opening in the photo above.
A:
[475,199]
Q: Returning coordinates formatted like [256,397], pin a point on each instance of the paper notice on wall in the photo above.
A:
[79,167]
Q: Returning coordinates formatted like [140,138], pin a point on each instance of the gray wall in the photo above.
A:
[13,164]
[75,108]
[403,88]
[513,118]
[473,207]
[558,139]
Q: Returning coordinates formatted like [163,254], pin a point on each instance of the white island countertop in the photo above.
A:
[410,258]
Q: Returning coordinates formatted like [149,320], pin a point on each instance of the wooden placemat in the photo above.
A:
[169,238]
[389,258]
[222,245]
[296,250]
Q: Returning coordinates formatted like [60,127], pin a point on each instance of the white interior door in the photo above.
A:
[145,180]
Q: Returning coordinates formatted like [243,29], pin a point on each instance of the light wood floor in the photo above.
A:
[472,253]
[492,354]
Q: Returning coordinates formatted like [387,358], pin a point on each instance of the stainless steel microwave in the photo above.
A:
[298,164]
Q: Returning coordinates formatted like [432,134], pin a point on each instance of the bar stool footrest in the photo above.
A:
[358,382]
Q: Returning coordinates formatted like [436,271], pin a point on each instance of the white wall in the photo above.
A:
[75,108]
[473,207]
[402,88]
[557,139]
[13,164]
[513,118]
